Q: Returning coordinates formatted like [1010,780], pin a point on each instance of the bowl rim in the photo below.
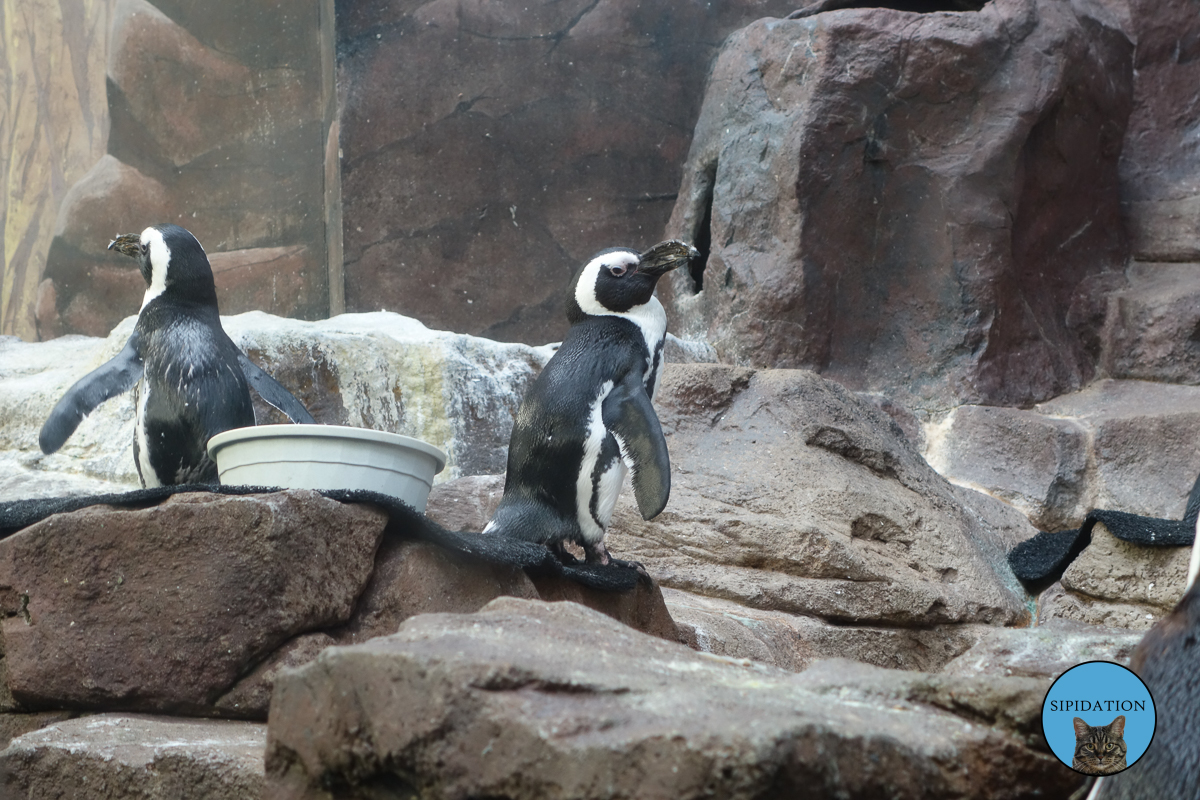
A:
[306,431]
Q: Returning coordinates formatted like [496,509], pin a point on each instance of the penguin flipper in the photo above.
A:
[629,415]
[110,379]
[273,393]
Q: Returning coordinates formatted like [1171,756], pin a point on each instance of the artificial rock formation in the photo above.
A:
[909,202]
[526,700]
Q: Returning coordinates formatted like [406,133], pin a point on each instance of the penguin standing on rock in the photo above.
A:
[588,421]
[193,378]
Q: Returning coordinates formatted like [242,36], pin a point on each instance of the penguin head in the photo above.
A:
[619,280]
[172,262]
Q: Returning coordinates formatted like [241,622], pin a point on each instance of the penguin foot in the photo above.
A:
[565,556]
[598,554]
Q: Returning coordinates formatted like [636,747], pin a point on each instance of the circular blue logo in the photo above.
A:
[1098,718]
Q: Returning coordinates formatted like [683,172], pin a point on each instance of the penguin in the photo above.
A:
[587,421]
[192,381]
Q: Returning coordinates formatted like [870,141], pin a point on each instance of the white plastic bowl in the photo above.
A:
[328,457]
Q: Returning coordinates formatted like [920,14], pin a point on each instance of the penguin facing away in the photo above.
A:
[191,379]
[588,420]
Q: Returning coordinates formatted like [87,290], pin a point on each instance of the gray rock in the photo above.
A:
[866,216]
[529,700]
[1044,651]
[1033,461]
[1141,434]
[795,642]
[791,494]
[150,758]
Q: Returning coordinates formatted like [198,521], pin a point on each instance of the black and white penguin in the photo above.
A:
[588,421]
[193,378]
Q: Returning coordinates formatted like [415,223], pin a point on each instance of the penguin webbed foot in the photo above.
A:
[598,554]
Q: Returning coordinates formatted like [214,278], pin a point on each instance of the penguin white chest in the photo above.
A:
[601,472]
[145,470]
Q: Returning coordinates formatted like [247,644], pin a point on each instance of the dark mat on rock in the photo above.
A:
[1042,560]
[404,522]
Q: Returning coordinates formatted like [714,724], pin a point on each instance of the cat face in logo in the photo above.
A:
[1100,749]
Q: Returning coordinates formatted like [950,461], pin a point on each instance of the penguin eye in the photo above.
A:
[618,270]
[145,247]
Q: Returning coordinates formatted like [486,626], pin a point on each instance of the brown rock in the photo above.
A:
[1151,325]
[1160,162]
[530,700]
[251,696]
[907,202]
[115,756]
[165,608]
[413,578]
[642,609]
[275,278]
[465,504]
[478,138]
[790,494]
[1118,584]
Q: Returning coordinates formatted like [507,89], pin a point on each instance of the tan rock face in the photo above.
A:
[527,700]
[1118,584]
[913,238]
[165,608]
[791,494]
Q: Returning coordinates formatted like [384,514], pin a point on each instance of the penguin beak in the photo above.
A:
[129,244]
[666,256]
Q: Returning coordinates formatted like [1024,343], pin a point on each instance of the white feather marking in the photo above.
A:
[596,433]
[160,257]
[149,477]
[650,317]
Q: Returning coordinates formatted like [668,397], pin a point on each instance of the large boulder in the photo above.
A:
[166,608]
[789,493]
[129,756]
[909,202]
[527,700]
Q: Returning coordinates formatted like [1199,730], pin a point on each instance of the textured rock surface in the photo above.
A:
[482,137]
[149,758]
[1036,463]
[1140,439]
[379,371]
[1151,325]
[1044,651]
[519,701]
[794,642]
[907,202]
[166,608]
[13,725]
[791,494]
[1160,163]
[1117,584]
